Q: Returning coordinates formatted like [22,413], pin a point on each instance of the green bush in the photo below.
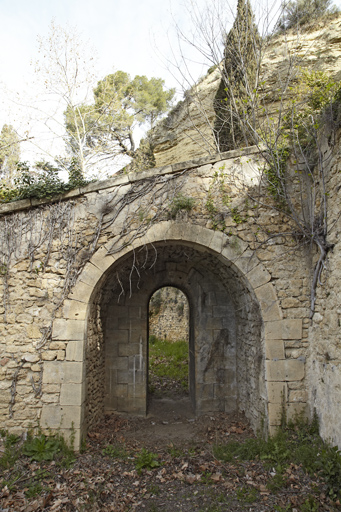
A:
[146,460]
[300,12]
[179,203]
[41,181]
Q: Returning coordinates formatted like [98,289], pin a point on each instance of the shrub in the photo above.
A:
[299,12]
[181,202]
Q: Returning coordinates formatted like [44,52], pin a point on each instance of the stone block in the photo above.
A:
[125,376]
[292,329]
[217,241]
[268,302]
[246,262]
[135,312]
[53,372]
[258,276]
[72,394]
[233,248]
[75,350]
[206,392]
[68,329]
[137,392]
[158,231]
[51,416]
[285,370]
[31,358]
[274,349]
[90,274]
[74,372]
[57,345]
[277,392]
[275,412]
[33,331]
[81,292]
[298,395]
[120,363]
[138,335]
[73,436]
[287,329]
[74,310]
[273,330]
[49,355]
[129,349]
[230,404]
[102,260]
[195,234]
[72,416]
[121,390]
[174,231]
[296,411]
[119,336]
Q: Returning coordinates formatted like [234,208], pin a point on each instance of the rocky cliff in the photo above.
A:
[187,131]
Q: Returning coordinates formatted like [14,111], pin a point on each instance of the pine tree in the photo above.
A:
[233,101]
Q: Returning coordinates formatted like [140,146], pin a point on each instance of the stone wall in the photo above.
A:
[77,275]
[168,314]
[324,354]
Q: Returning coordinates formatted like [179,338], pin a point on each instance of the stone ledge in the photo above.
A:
[122,179]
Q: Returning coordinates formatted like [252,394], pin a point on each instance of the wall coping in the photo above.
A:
[24,204]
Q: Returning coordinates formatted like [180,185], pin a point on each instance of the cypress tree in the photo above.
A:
[233,101]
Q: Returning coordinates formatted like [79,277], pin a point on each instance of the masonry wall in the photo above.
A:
[324,359]
[57,259]
[168,314]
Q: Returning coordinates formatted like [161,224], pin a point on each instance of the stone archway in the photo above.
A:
[252,378]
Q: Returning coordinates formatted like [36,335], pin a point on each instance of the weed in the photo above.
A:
[278,481]
[299,443]
[34,489]
[10,484]
[11,440]
[146,460]
[12,450]
[237,216]
[206,478]
[174,452]
[247,495]
[44,447]
[154,490]
[278,508]
[310,505]
[181,203]
[115,451]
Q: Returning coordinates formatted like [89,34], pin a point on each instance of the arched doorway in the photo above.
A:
[170,359]
[225,332]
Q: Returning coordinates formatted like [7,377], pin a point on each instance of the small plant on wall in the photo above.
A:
[181,203]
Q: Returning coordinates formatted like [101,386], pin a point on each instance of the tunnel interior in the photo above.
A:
[226,362]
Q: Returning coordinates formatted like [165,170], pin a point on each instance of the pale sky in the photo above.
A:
[129,35]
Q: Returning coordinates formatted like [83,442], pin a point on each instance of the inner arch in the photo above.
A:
[225,332]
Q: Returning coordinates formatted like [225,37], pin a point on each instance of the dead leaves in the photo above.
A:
[187,473]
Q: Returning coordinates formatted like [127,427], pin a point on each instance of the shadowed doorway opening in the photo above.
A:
[168,350]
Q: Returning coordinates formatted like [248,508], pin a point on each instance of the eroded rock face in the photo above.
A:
[187,131]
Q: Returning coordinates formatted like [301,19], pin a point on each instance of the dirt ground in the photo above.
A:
[182,475]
